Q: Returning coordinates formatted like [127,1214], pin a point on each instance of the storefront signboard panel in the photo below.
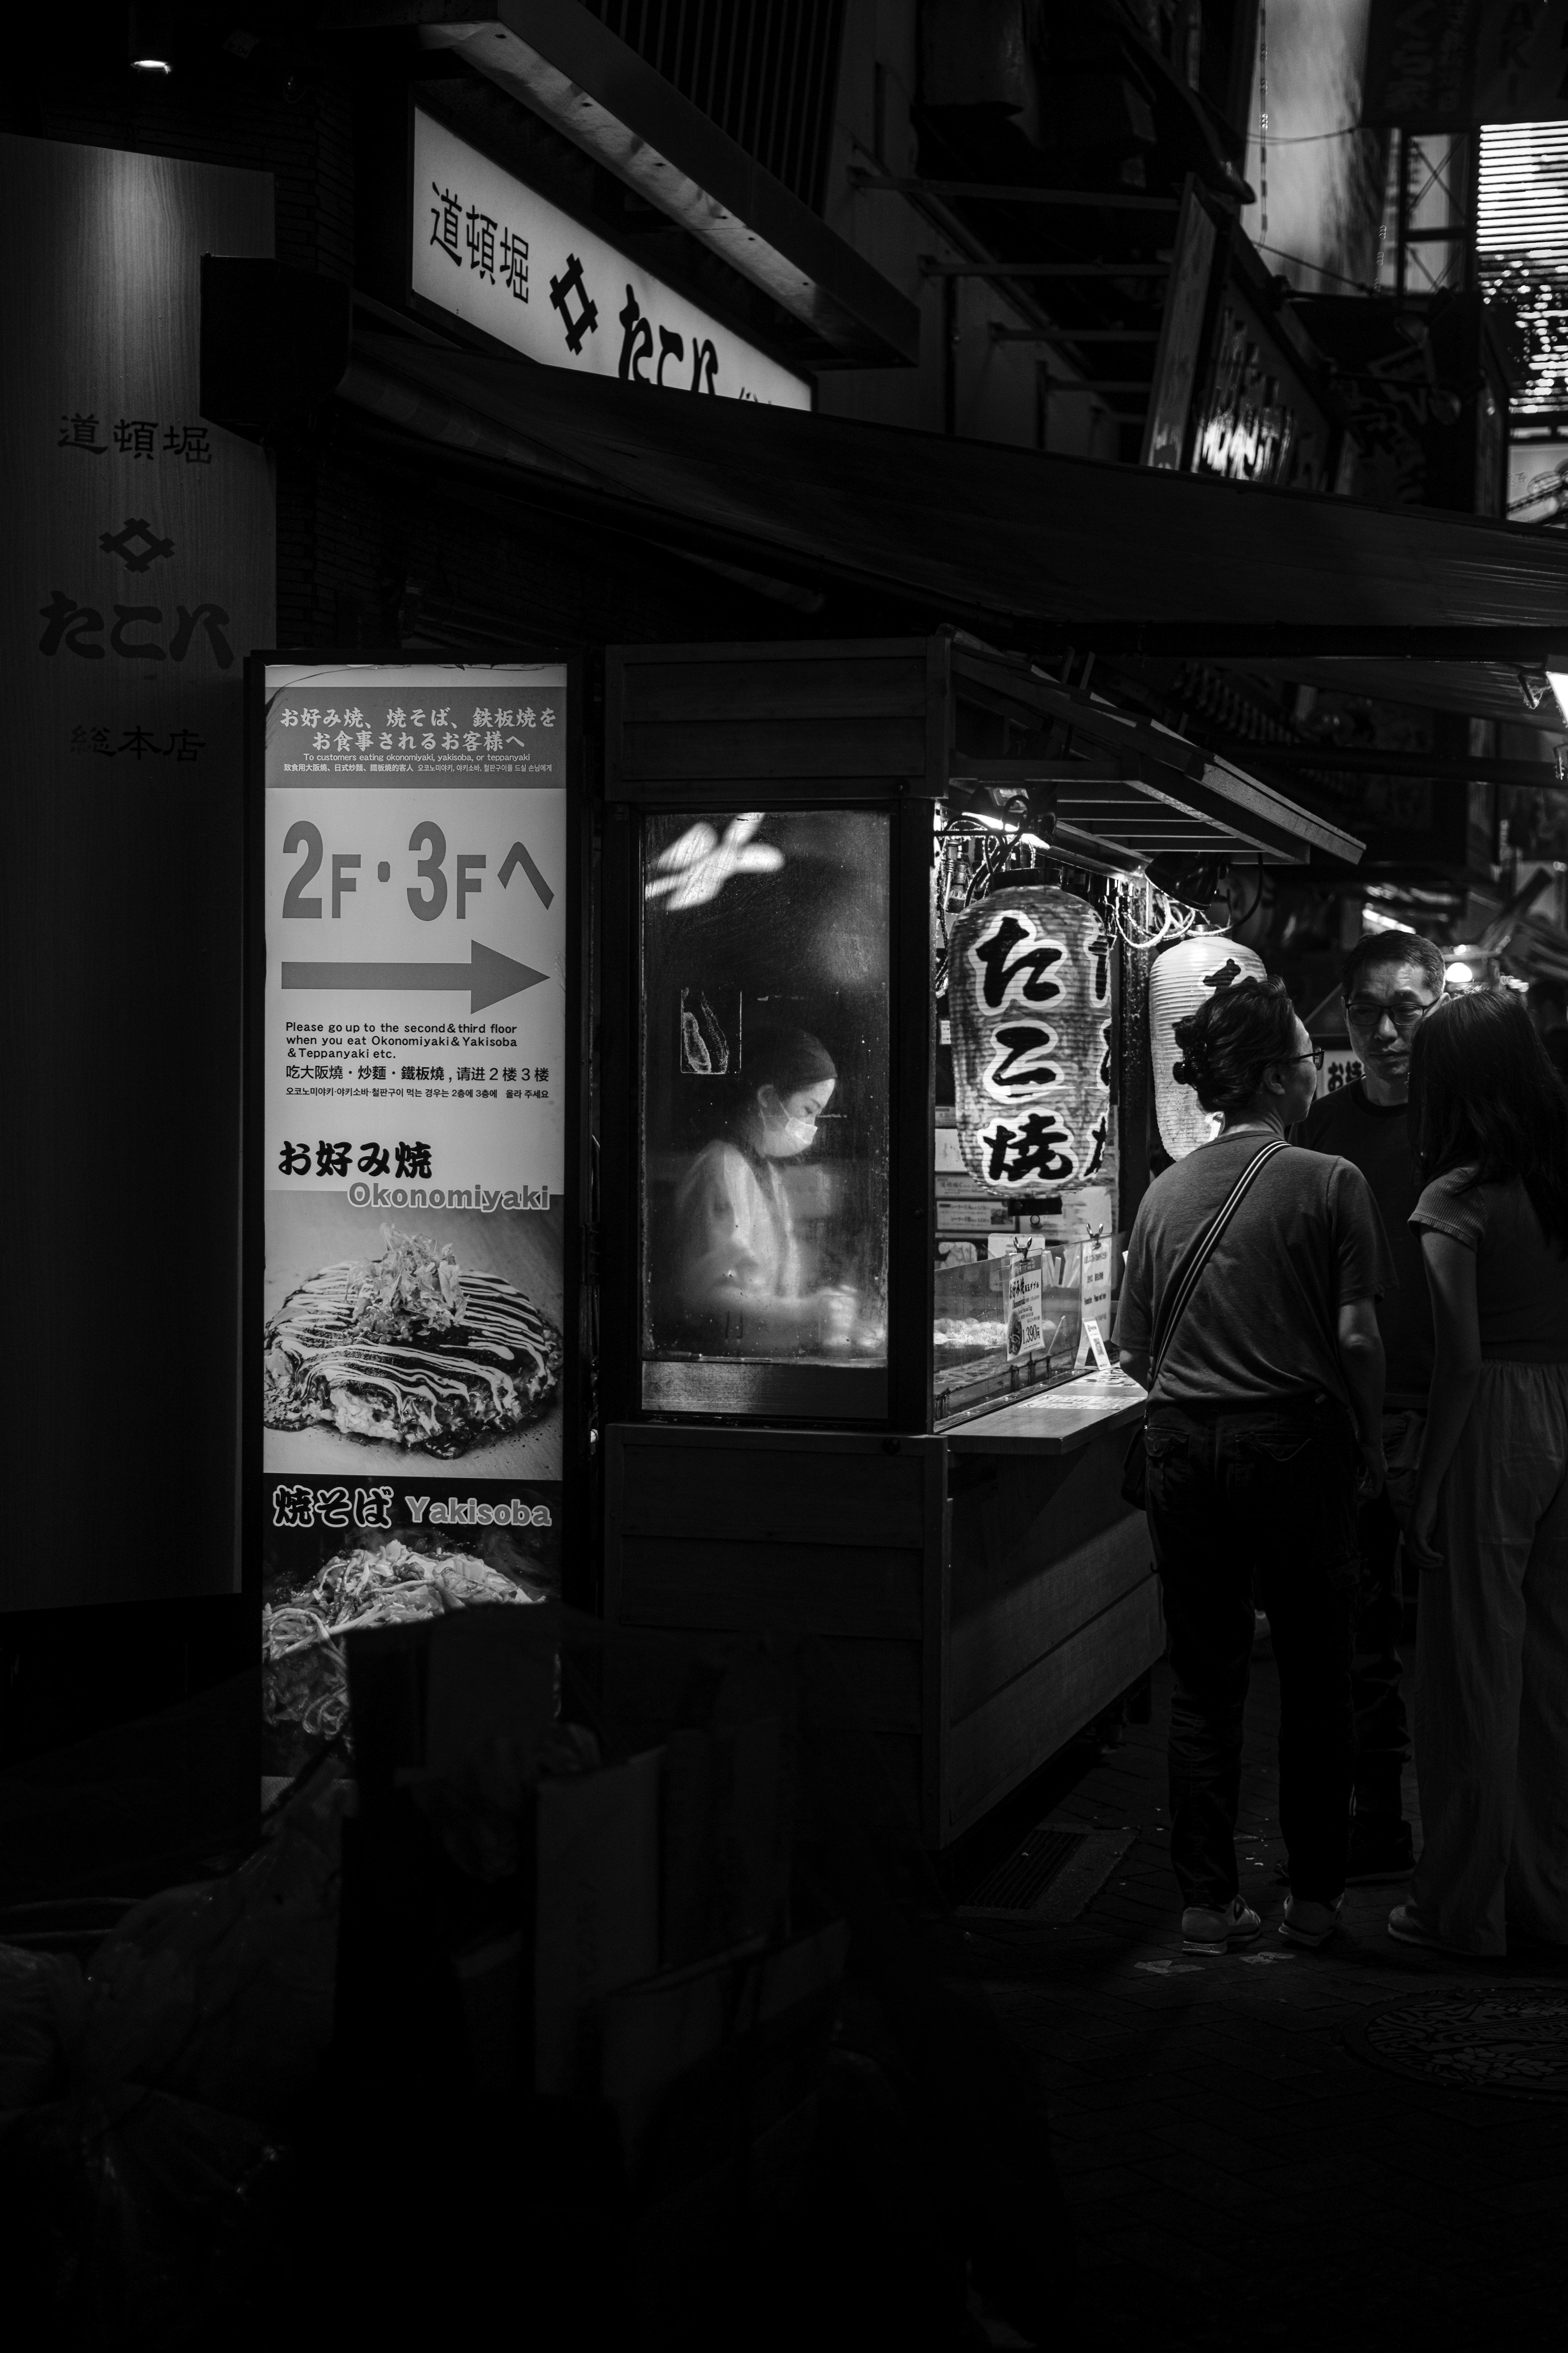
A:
[490,252]
[138,574]
[410,1129]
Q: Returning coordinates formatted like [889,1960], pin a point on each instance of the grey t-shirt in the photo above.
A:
[1262,1323]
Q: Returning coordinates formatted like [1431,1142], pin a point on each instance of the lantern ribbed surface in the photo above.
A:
[1181,977]
[1029,1000]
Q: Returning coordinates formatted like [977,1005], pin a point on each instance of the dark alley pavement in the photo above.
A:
[1237,2172]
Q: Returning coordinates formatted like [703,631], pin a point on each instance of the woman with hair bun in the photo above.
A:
[1264,1424]
[740,1282]
[1489,1125]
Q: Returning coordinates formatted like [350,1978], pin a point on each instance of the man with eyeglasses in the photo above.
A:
[1391,982]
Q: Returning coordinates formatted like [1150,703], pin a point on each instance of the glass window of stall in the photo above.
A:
[1024,975]
[764,1111]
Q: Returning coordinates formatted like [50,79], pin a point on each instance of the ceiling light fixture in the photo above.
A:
[149,38]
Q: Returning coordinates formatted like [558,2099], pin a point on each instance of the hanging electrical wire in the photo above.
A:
[1263,110]
[1235,921]
[1159,919]
[973,860]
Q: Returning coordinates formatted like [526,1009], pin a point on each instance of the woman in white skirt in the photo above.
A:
[1488,1122]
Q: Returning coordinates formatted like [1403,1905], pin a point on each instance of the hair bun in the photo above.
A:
[1196,1060]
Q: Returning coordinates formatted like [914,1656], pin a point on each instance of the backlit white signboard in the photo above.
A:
[496,255]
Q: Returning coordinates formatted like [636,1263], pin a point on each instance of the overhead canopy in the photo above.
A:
[1034,550]
[1132,790]
[1508,692]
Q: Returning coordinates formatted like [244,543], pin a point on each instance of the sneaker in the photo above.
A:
[1381,1853]
[1309,1924]
[1405,1927]
[1212,1931]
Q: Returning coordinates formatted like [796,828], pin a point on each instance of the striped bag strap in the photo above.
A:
[1187,1277]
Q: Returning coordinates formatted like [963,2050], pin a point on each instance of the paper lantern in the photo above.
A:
[1029,1001]
[1180,979]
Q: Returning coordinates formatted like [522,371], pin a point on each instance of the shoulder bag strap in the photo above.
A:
[1189,1270]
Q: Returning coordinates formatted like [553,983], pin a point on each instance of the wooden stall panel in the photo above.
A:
[869,1685]
[989,1647]
[751,1493]
[1011,1512]
[857,684]
[682,751]
[872,712]
[788,1589]
[715,1535]
[1003,1741]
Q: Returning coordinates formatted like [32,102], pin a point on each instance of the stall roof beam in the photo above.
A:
[1477,770]
[1001,334]
[562,63]
[989,192]
[1141,803]
[1153,760]
[1536,643]
[1488,684]
[932,268]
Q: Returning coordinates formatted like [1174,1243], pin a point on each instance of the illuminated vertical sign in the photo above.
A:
[1029,992]
[137,574]
[409,1141]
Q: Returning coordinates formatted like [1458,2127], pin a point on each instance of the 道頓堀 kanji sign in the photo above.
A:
[494,253]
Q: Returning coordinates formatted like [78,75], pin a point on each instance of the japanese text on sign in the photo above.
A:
[496,254]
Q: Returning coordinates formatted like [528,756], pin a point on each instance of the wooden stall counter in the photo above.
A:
[1052,1607]
[1054,1421]
[983,1591]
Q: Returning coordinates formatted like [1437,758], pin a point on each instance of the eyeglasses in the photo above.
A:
[1314,1055]
[1406,1013]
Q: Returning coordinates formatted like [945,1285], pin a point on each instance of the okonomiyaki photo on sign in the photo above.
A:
[412,1339]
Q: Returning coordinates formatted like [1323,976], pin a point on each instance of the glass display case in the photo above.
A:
[764,1102]
[865,1046]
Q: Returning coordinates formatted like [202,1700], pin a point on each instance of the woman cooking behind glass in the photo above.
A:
[739,1283]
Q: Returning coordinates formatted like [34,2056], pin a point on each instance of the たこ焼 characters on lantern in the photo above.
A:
[1179,980]
[1029,1001]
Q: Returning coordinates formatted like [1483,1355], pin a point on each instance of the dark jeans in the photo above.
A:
[1245,1501]
[1382,1736]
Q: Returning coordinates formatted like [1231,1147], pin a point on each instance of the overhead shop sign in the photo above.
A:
[492,252]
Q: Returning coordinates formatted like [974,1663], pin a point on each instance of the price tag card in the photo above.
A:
[1025,1308]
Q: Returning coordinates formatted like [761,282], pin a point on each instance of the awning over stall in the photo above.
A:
[1037,551]
[1131,789]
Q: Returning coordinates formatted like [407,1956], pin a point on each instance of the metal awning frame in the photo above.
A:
[1141,788]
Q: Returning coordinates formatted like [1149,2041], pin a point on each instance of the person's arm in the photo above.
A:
[1362,1363]
[1456,1374]
[1360,1271]
[1132,1336]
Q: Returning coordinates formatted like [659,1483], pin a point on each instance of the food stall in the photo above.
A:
[877,918]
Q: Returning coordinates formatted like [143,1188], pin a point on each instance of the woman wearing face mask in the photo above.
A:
[740,1280]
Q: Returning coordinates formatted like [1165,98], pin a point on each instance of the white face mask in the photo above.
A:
[785,1139]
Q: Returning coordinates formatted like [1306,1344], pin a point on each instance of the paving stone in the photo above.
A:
[1238,2172]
